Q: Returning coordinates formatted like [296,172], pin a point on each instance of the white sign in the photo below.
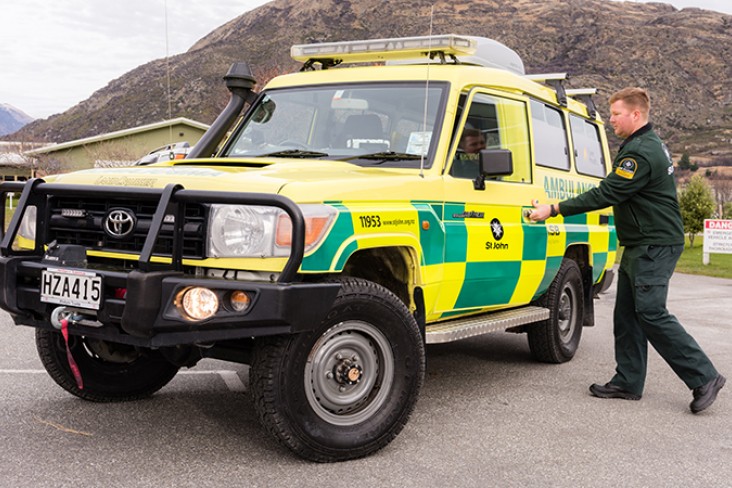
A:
[717,238]
[419,143]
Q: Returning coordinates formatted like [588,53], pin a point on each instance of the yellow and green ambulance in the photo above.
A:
[323,231]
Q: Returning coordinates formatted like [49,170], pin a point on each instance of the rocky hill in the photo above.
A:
[684,57]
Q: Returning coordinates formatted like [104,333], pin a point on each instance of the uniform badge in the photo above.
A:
[667,153]
[627,168]
[668,156]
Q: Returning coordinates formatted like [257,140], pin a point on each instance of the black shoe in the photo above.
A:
[608,390]
[705,395]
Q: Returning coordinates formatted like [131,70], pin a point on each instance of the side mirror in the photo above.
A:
[493,163]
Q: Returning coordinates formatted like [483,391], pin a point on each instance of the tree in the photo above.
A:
[113,154]
[722,193]
[48,164]
[727,211]
[684,162]
[697,203]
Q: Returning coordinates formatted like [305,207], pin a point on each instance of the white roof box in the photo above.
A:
[488,52]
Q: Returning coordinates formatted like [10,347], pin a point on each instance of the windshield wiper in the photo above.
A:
[293,153]
[386,156]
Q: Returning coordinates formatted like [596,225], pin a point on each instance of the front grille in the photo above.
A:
[87,230]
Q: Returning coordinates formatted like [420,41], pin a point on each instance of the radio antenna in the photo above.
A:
[167,75]
[426,95]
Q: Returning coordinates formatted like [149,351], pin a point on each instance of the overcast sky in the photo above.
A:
[56,53]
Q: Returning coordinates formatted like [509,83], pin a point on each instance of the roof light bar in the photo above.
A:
[384,49]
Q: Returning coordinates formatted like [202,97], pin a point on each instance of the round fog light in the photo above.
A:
[198,303]
[239,301]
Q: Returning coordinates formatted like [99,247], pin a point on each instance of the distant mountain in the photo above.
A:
[12,119]
[684,57]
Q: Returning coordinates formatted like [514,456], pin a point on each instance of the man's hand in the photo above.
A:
[540,212]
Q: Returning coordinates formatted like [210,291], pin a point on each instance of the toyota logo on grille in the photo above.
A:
[119,223]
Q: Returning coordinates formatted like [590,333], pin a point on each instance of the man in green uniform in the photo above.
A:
[642,191]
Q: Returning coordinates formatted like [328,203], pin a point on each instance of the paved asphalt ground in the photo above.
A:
[488,416]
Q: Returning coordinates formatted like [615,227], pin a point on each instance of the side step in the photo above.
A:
[454,330]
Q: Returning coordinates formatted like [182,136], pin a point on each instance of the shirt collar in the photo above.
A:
[646,128]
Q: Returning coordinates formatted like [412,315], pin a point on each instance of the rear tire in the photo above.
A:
[556,340]
[110,372]
[347,388]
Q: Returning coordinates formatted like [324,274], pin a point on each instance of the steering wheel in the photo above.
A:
[293,144]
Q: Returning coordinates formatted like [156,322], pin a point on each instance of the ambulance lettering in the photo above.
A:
[563,189]
[370,221]
[496,246]
[558,188]
[398,222]
[583,186]
[468,215]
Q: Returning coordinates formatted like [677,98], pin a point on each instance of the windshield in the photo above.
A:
[366,124]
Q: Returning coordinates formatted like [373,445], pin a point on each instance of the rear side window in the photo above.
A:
[587,147]
[550,136]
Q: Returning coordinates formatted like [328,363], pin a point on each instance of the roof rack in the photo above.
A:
[585,96]
[554,80]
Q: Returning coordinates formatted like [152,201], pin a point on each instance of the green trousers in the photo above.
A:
[641,317]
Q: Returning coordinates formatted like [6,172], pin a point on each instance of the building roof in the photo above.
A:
[118,134]
[12,159]
[12,153]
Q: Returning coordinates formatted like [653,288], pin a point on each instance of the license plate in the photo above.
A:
[75,288]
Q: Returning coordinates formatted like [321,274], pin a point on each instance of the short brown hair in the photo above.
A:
[633,97]
[470,132]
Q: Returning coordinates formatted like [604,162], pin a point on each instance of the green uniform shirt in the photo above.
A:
[642,191]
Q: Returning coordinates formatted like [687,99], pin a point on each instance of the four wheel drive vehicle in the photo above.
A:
[323,237]
[176,150]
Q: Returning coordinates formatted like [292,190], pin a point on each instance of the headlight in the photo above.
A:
[27,228]
[241,231]
[238,231]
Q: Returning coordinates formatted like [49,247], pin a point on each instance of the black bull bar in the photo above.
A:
[143,316]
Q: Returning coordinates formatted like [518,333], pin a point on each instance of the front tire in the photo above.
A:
[111,372]
[347,388]
[557,339]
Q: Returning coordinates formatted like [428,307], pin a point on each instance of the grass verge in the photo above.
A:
[720,265]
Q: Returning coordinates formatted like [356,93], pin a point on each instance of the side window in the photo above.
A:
[587,147]
[550,136]
[493,123]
